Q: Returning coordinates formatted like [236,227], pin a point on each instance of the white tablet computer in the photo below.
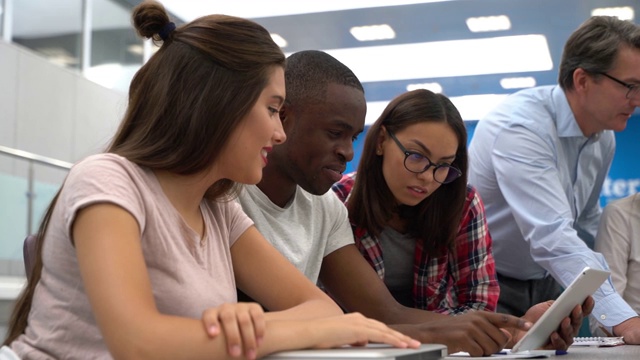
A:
[371,351]
[585,284]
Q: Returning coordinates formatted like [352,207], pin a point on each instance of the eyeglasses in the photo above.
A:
[634,89]
[418,163]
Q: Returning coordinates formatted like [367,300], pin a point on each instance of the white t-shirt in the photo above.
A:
[306,230]
[187,274]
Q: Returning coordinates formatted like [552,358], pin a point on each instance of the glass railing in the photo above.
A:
[28,183]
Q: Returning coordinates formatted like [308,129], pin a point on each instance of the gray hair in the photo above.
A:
[595,45]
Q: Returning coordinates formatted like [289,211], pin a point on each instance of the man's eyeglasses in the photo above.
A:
[418,163]
[634,89]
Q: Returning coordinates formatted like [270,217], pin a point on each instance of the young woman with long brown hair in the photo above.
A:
[143,246]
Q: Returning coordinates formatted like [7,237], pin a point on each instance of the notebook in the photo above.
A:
[598,341]
[371,351]
[507,354]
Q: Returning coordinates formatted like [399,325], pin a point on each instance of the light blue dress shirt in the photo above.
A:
[540,179]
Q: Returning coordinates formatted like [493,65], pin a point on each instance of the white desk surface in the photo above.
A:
[590,353]
[623,352]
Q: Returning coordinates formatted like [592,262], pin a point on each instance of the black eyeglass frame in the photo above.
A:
[408,153]
[631,88]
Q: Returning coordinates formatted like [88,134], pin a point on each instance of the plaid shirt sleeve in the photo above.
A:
[472,266]
[342,188]
[368,246]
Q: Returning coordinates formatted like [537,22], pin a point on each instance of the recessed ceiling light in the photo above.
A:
[518,82]
[622,13]
[373,32]
[489,23]
[434,87]
[279,40]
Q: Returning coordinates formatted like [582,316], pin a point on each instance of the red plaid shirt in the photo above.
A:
[461,280]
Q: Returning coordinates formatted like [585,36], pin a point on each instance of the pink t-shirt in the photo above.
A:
[188,274]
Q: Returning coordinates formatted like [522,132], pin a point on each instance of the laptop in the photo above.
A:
[371,351]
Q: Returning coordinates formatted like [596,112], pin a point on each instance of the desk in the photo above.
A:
[594,353]
[623,352]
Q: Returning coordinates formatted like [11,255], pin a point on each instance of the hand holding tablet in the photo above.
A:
[585,284]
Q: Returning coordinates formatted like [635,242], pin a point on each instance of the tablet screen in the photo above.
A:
[585,284]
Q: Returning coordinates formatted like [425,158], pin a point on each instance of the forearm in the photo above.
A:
[415,331]
[311,309]
[281,335]
[170,337]
[406,315]
[165,337]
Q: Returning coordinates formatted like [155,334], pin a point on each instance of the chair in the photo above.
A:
[29,254]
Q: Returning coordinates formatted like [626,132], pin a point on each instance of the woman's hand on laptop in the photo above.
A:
[243,325]
[356,330]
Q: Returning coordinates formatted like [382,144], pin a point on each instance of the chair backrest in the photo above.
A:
[29,254]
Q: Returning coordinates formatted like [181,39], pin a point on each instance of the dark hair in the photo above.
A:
[183,104]
[307,74]
[436,219]
[595,45]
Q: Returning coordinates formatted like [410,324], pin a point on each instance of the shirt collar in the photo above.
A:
[565,120]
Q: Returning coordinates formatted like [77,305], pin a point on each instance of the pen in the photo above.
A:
[557,352]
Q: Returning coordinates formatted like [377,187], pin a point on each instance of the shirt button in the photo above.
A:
[603,316]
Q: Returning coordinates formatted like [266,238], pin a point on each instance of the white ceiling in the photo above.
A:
[432,46]
[191,9]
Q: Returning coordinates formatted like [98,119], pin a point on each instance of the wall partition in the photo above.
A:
[2,14]
[94,37]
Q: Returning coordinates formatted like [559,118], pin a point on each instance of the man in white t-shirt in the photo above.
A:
[292,206]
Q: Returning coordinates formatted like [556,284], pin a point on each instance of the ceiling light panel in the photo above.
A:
[499,55]
[622,13]
[518,82]
[471,107]
[373,32]
[475,107]
[433,87]
[279,40]
[489,23]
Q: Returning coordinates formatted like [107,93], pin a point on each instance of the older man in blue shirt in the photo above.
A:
[539,161]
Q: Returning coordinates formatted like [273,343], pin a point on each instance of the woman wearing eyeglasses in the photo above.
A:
[415,219]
